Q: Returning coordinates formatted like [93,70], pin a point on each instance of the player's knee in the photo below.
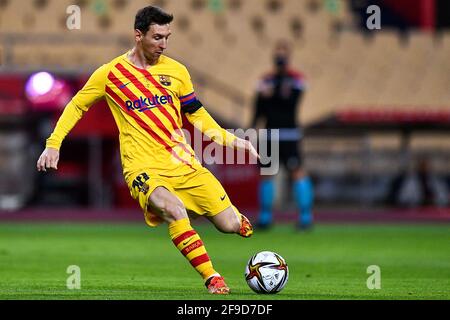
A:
[175,210]
[169,206]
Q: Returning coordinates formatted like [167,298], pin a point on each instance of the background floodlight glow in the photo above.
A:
[39,84]
[45,92]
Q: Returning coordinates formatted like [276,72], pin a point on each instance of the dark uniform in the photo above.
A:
[277,99]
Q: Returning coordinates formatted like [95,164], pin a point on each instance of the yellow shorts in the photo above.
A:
[200,192]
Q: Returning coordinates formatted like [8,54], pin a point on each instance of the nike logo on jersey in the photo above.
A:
[124,85]
[223,198]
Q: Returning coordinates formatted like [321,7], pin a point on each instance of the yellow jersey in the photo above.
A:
[147,105]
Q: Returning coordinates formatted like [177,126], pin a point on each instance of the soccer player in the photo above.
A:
[147,92]
[278,96]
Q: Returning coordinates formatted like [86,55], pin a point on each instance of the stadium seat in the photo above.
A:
[222,45]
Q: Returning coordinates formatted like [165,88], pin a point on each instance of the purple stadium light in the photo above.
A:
[39,84]
[47,93]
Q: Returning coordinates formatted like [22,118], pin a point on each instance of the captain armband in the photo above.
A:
[191,107]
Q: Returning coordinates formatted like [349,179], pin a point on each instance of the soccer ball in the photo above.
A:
[266,272]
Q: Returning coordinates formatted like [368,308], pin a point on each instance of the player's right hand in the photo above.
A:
[48,160]
[242,144]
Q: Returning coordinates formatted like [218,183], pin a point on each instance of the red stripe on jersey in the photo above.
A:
[199,260]
[149,76]
[143,125]
[183,236]
[193,246]
[144,90]
[147,92]
[130,95]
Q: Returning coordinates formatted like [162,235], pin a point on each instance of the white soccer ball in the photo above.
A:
[266,272]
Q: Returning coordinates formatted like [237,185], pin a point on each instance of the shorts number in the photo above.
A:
[140,184]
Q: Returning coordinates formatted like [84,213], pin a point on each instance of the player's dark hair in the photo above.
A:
[151,15]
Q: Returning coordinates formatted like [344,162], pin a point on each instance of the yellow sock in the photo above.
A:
[191,246]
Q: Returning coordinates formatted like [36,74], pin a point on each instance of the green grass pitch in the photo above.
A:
[132,261]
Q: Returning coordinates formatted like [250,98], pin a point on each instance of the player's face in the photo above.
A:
[281,57]
[154,42]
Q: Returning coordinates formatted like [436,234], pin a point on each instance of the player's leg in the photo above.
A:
[266,191]
[185,238]
[160,205]
[303,192]
[205,195]
[231,220]
[266,197]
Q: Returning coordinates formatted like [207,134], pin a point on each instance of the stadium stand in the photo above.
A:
[226,45]
[238,34]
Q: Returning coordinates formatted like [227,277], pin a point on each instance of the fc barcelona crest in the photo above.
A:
[165,80]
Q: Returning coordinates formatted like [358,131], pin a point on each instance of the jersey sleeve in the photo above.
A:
[197,114]
[188,99]
[93,90]
[261,100]
[203,121]
[299,81]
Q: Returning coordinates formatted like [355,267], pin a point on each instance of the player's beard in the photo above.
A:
[152,58]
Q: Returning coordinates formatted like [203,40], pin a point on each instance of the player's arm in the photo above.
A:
[260,103]
[202,120]
[299,88]
[73,112]
[259,110]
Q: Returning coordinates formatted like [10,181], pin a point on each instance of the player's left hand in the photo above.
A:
[241,144]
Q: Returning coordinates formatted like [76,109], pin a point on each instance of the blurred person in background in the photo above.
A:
[419,186]
[278,96]
[146,92]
